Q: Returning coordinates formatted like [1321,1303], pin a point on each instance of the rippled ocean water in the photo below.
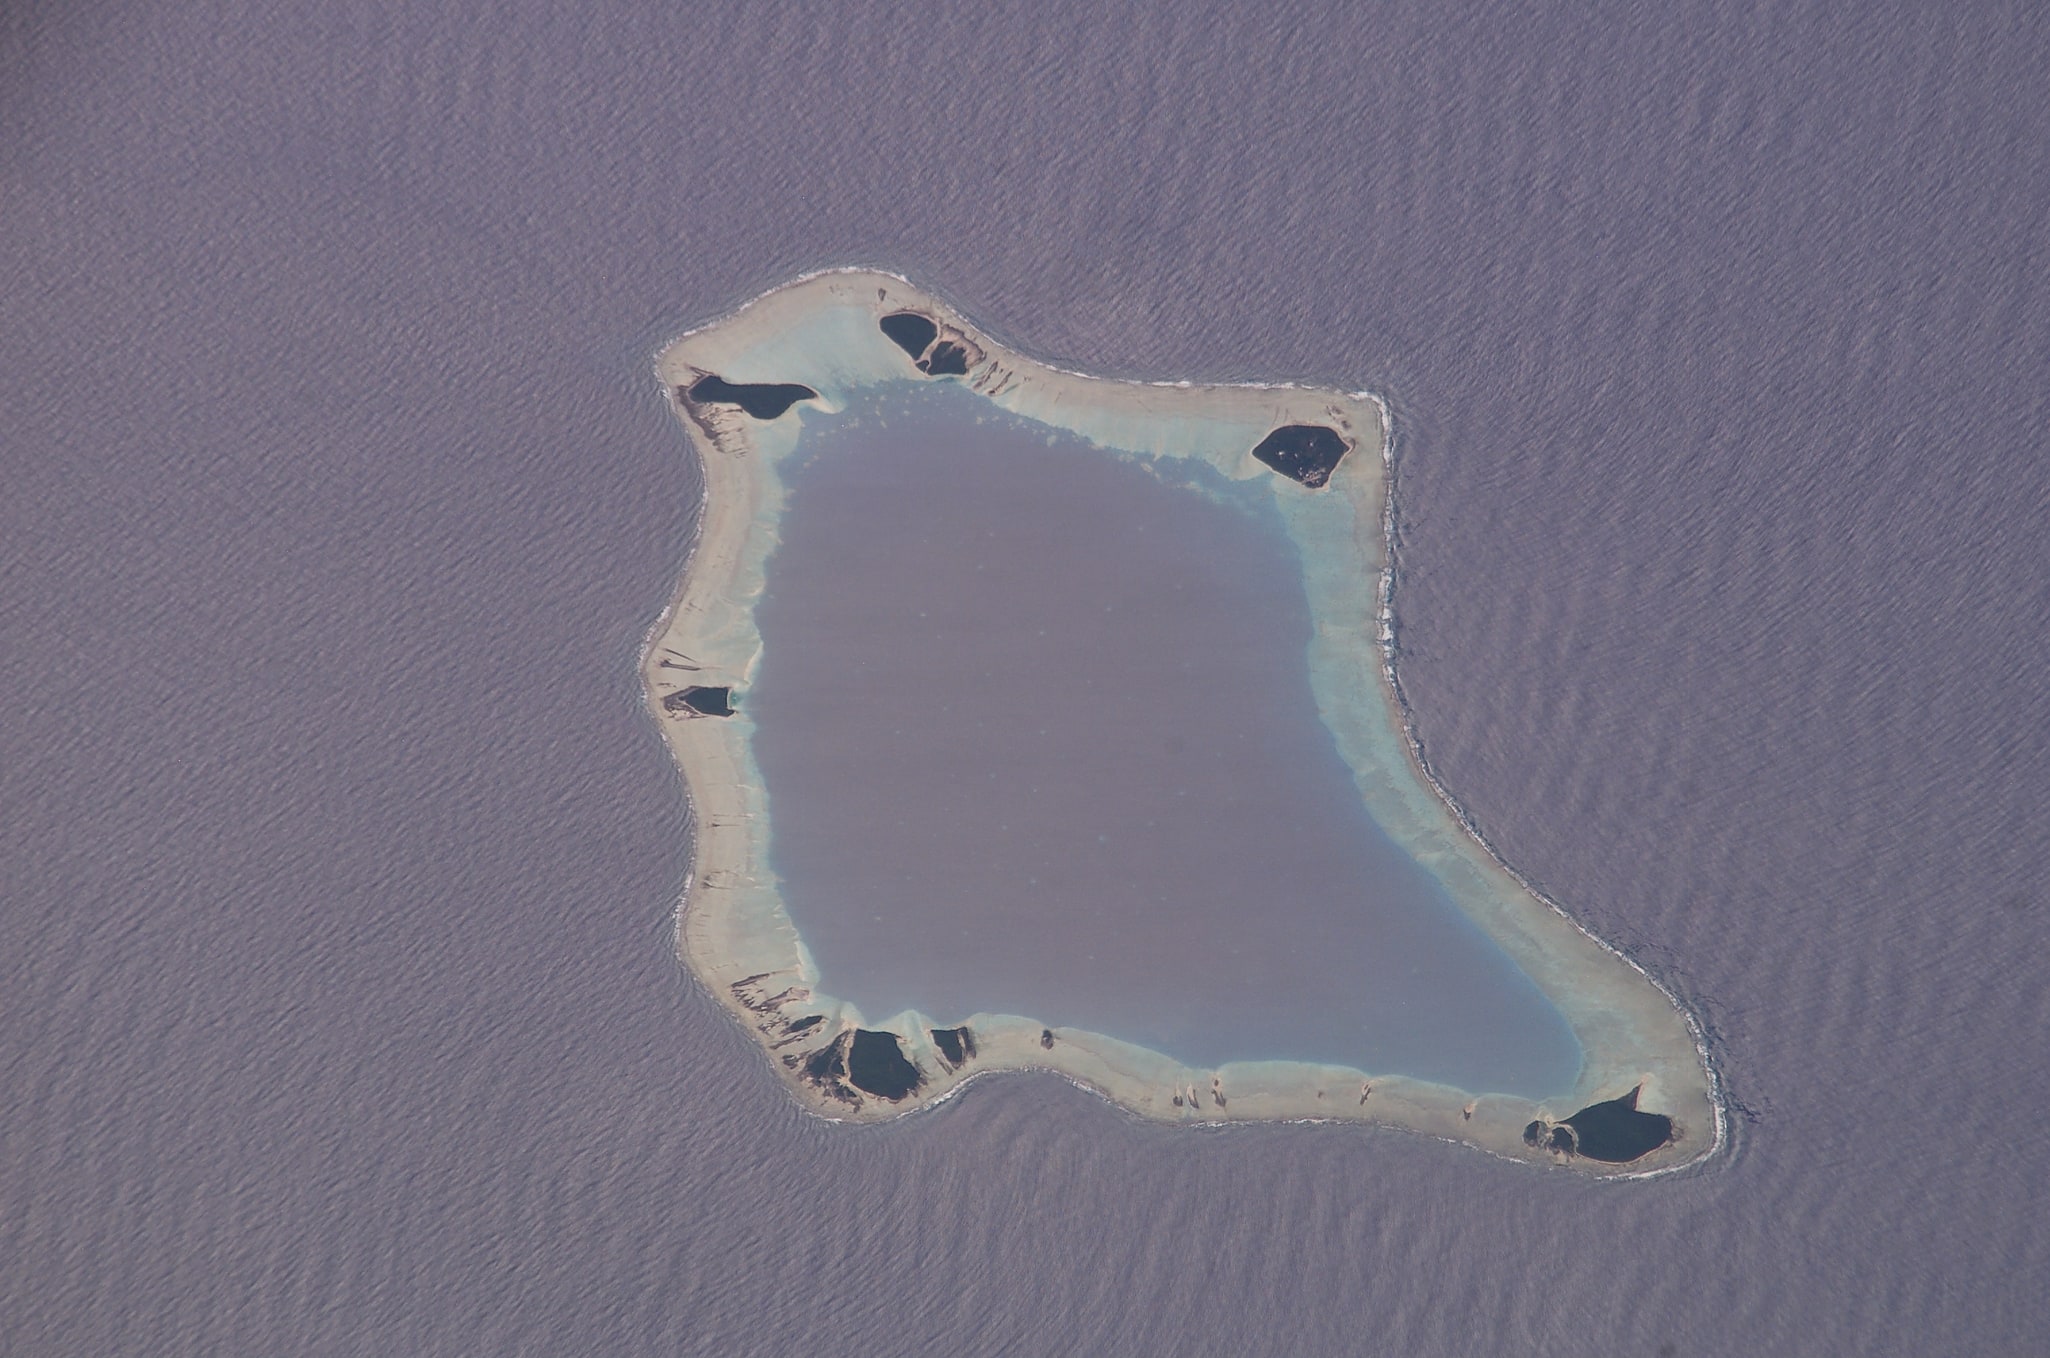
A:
[337,1006]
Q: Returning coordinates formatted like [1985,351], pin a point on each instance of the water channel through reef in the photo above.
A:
[1036,727]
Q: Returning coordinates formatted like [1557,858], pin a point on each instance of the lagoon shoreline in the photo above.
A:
[741,386]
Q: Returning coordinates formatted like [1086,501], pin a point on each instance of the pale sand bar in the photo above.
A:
[823,332]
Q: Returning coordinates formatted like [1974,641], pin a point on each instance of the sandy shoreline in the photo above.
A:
[824,333]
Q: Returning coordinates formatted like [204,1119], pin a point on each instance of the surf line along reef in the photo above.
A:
[744,387]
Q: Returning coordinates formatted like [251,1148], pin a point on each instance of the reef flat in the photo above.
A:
[744,387]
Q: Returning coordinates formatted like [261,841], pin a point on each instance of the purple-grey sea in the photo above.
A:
[338,1008]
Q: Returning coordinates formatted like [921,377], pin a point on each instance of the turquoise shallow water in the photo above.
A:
[1037,732]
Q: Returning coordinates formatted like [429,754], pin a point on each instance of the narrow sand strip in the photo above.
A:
[824,334]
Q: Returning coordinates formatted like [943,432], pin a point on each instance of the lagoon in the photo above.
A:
[1036,729]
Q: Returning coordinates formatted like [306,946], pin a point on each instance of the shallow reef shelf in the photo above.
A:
[1645,1100]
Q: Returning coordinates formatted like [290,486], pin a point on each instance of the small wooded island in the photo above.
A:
[1587,1064]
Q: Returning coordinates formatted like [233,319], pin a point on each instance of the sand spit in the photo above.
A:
[1645,1101]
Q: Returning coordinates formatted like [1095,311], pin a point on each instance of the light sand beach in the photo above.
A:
[824,334]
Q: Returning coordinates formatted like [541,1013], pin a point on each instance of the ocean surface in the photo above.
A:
[338,1008]
[1036,729]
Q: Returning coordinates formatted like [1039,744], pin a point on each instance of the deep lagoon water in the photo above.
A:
[1038,737]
